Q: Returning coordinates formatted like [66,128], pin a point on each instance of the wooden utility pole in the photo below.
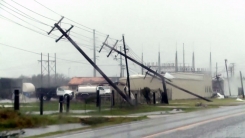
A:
[183,57]
[142,60]
[126,61]
[41,70]
[55,69]
[216,69]
[48,72]
[227,77]
[242,84]
[176,61]
[159,63]
[121,66]
[94,52]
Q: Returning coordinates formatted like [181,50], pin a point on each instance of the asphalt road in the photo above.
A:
[225,122]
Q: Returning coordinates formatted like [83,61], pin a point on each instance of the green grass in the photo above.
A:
[53,106]
[10,120]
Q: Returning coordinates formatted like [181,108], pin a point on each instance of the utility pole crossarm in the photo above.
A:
[112,50]
[63,35]
[103,43]
[54,26]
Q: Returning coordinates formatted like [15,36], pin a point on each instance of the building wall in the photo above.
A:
[196,83]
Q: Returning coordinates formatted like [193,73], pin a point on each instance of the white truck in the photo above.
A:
[53,92]
[84,92]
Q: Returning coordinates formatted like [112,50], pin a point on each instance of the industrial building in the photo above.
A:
[200,84]
[7,87]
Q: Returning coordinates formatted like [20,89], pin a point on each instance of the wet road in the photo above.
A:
[214,123]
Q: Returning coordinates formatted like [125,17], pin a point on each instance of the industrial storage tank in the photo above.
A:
[28,89]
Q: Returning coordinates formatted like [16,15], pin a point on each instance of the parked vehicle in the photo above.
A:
[107,90]
[54,92]
[84,92]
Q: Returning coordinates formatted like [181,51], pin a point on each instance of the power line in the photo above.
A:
[24,21]
[25,15]
[24,26]
[98,33]
[33,11]
[49,56]
[3,17]
[44,17]
[68,18]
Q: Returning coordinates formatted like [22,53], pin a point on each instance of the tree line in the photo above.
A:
[60,80]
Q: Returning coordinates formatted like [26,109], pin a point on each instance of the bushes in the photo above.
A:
[10,119]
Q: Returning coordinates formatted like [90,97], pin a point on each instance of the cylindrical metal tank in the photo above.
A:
[28,88]
[87,89]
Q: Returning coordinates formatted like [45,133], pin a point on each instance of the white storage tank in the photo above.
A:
[87,89]
[28,88]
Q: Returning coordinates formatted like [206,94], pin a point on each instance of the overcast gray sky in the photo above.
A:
[204,26]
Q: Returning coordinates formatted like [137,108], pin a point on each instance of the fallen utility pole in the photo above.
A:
[157,74]
[91,62]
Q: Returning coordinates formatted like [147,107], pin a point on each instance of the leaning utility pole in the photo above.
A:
[210,66]
[121,73]
[41,70]
[55,75]
[48,72]
[193,62]
[176,61]
[227,76]
[126,61]
[142,60]
[94,52]
[216,68]
[232,69]
[159,64]
[242,84]
[89,60]
[183,57]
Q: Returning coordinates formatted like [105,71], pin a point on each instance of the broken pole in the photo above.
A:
[92,63]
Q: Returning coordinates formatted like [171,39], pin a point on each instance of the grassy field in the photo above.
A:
[10,120]
[13,120]
[185,105]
